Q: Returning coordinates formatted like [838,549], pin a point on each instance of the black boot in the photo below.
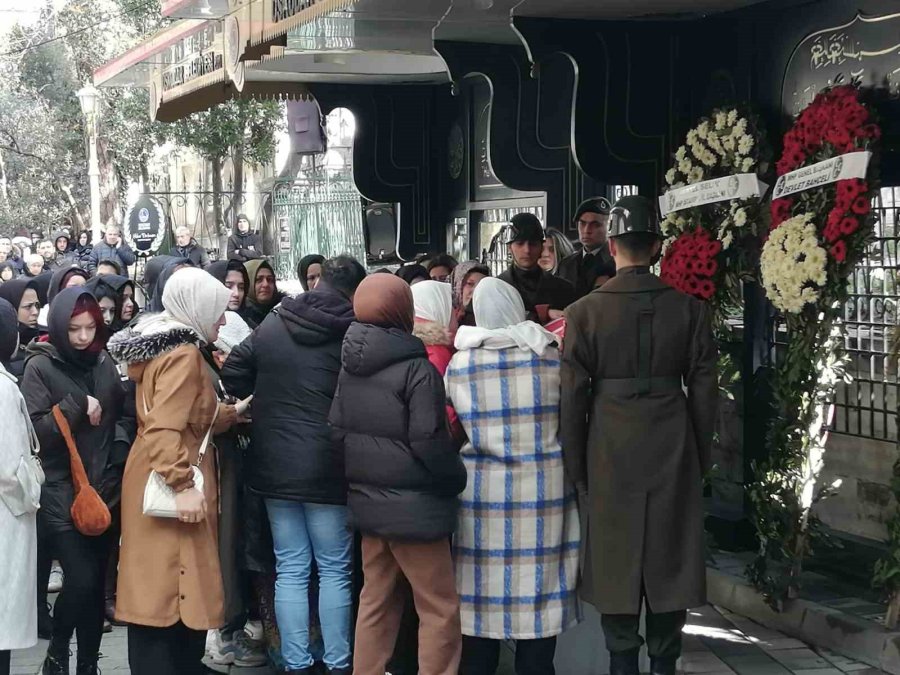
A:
[624,663]
[663,666]
[45,622]
[57,661]
[87,667]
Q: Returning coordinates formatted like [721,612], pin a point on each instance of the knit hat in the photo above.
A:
[233,333]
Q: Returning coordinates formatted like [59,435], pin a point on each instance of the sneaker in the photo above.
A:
[255,630]
[241,650]
[56,579]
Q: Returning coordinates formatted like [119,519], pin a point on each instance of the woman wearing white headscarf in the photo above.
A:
[433,301]
[170,583]
[517,543]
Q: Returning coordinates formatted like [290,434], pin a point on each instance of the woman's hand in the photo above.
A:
[191,506]
[94,411]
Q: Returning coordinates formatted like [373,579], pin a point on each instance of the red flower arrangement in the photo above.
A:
[691,263]
[835,123]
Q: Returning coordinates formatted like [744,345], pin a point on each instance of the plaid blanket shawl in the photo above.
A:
[517,543]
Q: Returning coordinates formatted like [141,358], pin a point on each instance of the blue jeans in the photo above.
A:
[300,532]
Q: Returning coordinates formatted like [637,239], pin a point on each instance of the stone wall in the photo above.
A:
[864,501]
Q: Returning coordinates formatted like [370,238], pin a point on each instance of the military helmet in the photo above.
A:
[633,213]
[524,227]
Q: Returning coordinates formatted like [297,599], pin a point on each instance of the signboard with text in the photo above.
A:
[145,225]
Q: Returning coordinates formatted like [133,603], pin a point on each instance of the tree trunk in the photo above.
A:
[237,188]
[4,185]
[109,192]
[217,204]
[892,617]
[145,177]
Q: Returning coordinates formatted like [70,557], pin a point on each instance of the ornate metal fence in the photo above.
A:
[317,215]
[868,405]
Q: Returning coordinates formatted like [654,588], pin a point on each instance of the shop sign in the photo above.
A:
[843,167]
[145,225]
[194,56]
[866,49]
[738,186]
[285,9]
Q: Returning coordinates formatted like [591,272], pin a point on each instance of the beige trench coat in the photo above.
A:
[169,570]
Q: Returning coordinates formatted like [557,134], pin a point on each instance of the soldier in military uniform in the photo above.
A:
[544,295]
[593,265]
[639,396]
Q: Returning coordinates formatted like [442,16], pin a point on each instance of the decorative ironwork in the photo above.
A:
[320,214]
[867,406]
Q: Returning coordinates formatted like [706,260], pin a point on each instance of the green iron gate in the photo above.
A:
[320,215]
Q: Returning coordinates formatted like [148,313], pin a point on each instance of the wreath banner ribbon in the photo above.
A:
[843,167]
[726,188]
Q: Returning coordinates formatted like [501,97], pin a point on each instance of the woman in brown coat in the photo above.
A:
[170,584]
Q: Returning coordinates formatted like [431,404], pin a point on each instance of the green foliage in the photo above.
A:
[241,125]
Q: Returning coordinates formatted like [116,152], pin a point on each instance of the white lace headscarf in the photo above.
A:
[500,319]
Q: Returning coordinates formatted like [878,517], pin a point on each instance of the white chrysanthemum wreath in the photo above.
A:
[724,144]
[793,264]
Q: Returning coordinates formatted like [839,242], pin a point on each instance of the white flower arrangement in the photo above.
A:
[793,264]
[720,143]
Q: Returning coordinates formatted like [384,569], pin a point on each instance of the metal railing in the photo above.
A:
[867,406]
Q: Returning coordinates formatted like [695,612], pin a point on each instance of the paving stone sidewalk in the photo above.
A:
[716,642]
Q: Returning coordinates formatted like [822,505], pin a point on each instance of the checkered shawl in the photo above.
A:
[516,545]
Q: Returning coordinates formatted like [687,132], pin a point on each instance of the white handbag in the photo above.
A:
[159,498]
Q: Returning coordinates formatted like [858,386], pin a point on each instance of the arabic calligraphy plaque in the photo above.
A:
[867,48]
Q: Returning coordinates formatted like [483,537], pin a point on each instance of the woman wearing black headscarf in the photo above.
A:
[309,270]
[22,295]
[72,369]
[8,272]
[157,272]
[233,275]
[109,289]
[66,277]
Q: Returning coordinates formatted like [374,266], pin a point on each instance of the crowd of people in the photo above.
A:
[389,473]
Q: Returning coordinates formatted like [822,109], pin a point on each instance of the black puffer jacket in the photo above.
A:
[389,412]
[291,363]
[49,380]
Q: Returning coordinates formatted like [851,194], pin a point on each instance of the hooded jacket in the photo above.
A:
[291,365]
[64,258]
[244,246]
[51,378]
[403,470]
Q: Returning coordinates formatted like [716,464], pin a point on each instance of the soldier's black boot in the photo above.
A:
[624,663]
[57,660]
[663,666]
[87,666]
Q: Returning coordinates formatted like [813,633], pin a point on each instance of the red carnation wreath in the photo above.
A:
[836,123]
[690,263]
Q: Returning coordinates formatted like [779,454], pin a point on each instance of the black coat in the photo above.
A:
[389,412]
[49,380]
[245,247]
[583,271]
[538,287]
[291,365]
[193,252]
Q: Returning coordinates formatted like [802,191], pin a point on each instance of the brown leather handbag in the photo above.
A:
[89,512]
